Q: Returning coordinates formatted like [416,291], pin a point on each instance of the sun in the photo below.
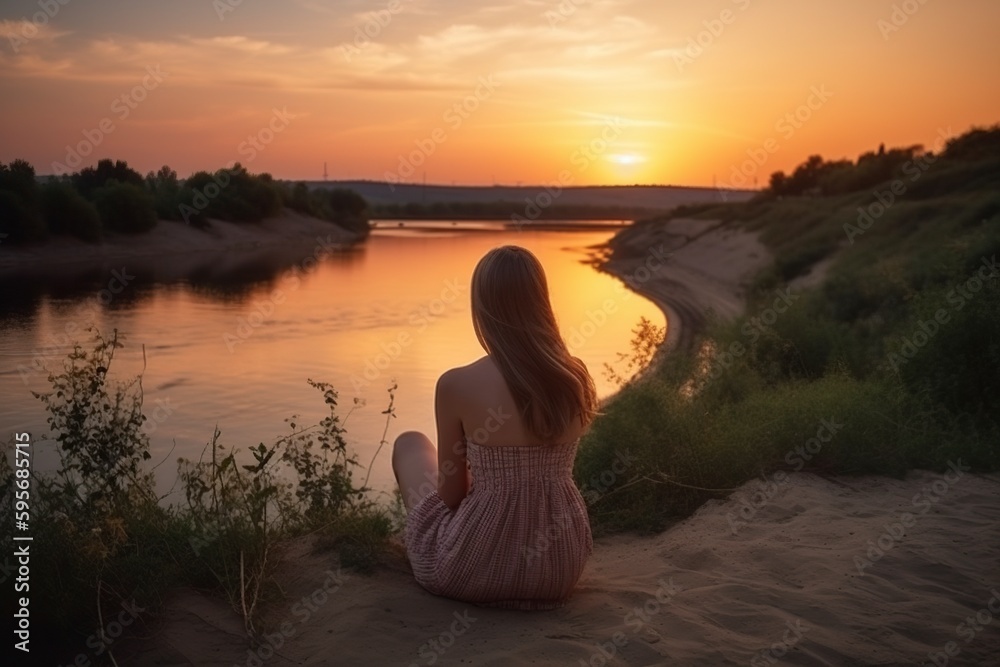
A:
[626,159]
[625,167]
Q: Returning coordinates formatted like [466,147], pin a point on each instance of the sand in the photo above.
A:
[174,250]
[705,276]
[796,569]
[785,585]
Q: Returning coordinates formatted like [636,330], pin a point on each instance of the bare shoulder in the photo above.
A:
[462,378]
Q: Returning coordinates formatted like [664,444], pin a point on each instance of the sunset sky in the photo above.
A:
[612,91]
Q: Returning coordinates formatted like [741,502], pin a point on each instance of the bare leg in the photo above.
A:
[414,460]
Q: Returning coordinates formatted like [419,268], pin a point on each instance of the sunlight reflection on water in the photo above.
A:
[237,354]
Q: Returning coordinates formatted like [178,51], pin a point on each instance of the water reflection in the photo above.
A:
[231,340]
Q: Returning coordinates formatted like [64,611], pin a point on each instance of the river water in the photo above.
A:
[237,352]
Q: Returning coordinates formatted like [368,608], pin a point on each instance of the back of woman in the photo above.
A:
[505,524]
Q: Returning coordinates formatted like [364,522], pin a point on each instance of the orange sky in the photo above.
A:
[609,90]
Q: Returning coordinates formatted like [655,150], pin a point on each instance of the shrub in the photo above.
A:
[125,208]
[90,517]
[103,535]
[165,189]
[18,222]
[66,212]
[20,219]
[234,194]
[977,144]
[941,366]
[346,208]
[89,179]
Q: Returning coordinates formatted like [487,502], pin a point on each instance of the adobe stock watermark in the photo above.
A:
[631,282]
[579,334]
[899,16]
[122,107]
[703,40]
[374,23]
[786,126]
[957,299]
[636,619]
[207,533]
[453,117]
[564,9]
[421,318]
[654,260]
[161,413]
[263,309]
[301,611]
[582,157]
[100,641]
[968,630]
[922,502]
[534,206]
[223,7]
[495,418]
[753,328]
[432,650]
[776,651]
[56,343]
[29,27]
[884,199]
[592,491]
[769,485]
[248,149]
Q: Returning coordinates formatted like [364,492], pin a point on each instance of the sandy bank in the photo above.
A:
[174,249]
[706,272]
[785,583]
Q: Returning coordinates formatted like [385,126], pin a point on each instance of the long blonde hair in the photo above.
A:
[515,324]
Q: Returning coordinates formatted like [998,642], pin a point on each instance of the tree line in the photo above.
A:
[113,197]
[817,176]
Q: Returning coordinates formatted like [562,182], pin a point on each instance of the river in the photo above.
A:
[237,353]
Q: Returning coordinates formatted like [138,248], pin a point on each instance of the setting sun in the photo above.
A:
[626,159]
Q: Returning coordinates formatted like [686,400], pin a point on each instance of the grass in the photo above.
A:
[854,350]
[104,540]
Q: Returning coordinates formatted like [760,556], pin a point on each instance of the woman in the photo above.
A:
[506,525]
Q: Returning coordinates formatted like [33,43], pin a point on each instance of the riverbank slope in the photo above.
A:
[174,249]
[707,271]
[805,569]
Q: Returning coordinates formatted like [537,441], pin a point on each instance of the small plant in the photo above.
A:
[104,536]
[646,340]
[323,466]
[98,425]
[99,531]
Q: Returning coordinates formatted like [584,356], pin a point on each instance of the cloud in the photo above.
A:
[245,45]
[422,51]
[24,37]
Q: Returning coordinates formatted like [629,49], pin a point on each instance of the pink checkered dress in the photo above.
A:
[520,539]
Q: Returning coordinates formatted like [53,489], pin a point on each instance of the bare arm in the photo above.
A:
[453,480]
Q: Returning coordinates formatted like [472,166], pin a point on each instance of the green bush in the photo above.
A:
[20,219]
[18,222]
[339,205]
[234,194]
[165,189]
[66,212]
[90,179]
[125,208]
[934,357]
